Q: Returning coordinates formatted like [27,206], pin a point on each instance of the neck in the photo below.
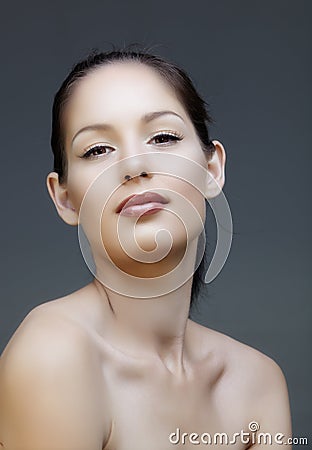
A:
[149,316]
[156,327]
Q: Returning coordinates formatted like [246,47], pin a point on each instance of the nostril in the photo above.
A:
[129,177]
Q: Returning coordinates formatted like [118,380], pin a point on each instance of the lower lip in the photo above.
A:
[139,210]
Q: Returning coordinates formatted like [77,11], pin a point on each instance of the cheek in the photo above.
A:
[189,177]
[90,198]
[78,185]
[193,212]
[89,188]
[189,197]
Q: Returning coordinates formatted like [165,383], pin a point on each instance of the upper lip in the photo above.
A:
[140,199]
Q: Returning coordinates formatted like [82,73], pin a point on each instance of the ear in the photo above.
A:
[216,171]
[59,194]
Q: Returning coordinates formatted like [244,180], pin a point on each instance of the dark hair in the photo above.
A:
[194,105]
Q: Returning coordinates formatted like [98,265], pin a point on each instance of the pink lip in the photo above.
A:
[151,200]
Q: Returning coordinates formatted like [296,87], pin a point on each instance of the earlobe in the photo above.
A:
[59,195]
[216,171]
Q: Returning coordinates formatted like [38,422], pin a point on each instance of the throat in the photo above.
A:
[155,327]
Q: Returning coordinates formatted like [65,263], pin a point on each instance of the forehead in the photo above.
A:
[119,91]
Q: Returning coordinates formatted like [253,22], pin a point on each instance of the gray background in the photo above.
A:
[251,61]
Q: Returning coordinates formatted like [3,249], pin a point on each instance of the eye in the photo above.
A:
[165,138]
[97,150]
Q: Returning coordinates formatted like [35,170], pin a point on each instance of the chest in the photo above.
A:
[152,414]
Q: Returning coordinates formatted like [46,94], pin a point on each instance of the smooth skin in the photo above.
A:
[99,370]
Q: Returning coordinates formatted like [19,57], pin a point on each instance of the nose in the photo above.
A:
[134,168]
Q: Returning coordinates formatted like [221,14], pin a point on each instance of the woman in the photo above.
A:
[118,364]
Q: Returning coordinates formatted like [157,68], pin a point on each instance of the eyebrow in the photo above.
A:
[146,119]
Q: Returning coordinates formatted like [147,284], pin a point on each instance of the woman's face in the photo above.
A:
[121,120]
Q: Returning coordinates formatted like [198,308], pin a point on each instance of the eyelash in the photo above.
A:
[175,137]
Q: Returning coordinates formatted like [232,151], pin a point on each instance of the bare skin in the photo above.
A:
[83,388]
[100,370]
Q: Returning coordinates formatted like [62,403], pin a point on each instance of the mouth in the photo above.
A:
[139,204]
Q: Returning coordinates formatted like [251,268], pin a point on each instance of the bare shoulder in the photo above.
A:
[44,332]
[60,321]
[253,382]
[49,390]
[257,372]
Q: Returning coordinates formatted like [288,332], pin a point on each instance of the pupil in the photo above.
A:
[162,138]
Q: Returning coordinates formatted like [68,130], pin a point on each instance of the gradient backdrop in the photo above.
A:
[251,62]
